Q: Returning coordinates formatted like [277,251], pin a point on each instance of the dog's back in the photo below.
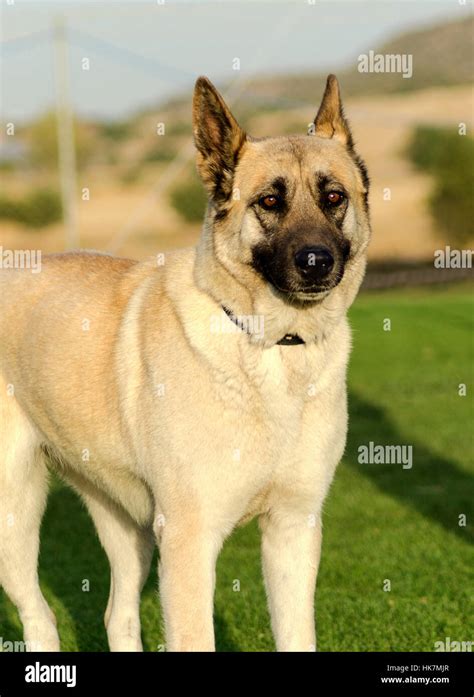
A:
[46,321]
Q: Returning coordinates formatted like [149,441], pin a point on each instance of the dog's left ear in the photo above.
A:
[330,121]
[218,139]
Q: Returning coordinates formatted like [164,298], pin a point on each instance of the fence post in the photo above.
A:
[65,133]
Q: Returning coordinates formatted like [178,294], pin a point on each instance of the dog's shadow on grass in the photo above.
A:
[434,486]
[224,640]
[8,630]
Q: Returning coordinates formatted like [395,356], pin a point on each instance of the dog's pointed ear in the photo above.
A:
[330,121]
[218,138]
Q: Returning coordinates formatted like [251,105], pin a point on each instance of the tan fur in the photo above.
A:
[162,424]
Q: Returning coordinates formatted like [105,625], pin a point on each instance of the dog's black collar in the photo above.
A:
[291,340]
[287,340]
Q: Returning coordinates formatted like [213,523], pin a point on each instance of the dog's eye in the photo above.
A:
[269,202]
[334,198]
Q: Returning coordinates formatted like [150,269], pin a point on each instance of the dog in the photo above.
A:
[183,399]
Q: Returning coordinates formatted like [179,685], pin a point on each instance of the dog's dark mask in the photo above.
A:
[303,251]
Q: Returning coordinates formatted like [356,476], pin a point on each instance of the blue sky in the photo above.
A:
[142,52]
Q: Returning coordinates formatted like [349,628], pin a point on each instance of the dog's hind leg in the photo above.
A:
[129,549]
[23,492]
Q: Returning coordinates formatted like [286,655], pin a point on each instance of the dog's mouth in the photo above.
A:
[311,296]
[307,293]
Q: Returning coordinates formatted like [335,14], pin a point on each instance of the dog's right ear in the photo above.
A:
[218,139]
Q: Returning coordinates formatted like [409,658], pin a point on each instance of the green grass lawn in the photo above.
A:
[381,521]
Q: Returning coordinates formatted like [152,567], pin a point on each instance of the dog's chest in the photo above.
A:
[282,405]
[265,400]
[284,378]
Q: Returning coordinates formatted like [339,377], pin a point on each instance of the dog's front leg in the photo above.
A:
[187,578]
[291,544]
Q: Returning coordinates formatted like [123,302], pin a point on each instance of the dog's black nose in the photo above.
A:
[314,263]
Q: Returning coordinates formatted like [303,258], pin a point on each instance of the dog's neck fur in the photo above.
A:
[246,293]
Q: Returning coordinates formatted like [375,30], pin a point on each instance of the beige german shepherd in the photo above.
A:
[183,399]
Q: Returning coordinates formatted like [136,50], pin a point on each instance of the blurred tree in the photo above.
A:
[116,130]
[449,157]
[189,199]
[39,208]
[42,137]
